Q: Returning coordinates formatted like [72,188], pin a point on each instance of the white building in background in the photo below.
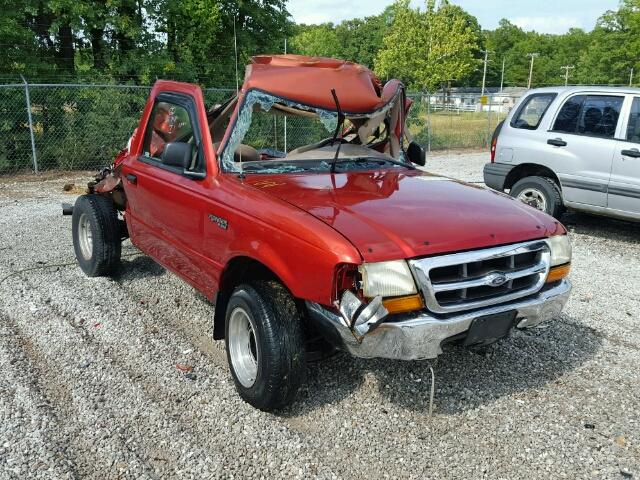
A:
[470,99]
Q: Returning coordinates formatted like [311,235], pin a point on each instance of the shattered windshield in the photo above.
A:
[273,135]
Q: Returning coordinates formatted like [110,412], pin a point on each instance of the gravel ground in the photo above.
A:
[89,385]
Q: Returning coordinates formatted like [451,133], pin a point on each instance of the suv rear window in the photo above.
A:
[532,110]
[593,115]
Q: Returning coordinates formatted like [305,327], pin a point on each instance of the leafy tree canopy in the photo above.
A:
[440,43]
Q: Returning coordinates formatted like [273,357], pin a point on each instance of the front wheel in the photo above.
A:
[541,193]
[264,342]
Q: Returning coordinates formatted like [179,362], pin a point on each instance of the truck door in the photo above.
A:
[582,143]
[165,206]
[624,187]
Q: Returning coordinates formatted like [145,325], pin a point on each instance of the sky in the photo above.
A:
[544,16]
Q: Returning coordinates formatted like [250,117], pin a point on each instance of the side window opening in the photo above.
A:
[219,117]
[530,113]
[567,119]
[169,122]
[600,116]
[633,126]
[591,115]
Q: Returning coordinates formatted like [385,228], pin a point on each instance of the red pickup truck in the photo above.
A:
[297,209]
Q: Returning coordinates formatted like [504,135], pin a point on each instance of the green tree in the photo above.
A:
[357,40]
[360,39]
[614,47]
[316,40]
[428,48]
[500,42]
[137,40]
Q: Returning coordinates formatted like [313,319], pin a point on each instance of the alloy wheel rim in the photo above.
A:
[534,198]
[243,347]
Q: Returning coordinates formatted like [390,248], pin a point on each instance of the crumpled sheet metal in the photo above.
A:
[309,80]
[107,184]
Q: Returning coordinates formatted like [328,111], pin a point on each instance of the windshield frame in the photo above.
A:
[244,109]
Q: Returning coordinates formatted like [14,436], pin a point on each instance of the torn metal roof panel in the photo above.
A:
[309,80]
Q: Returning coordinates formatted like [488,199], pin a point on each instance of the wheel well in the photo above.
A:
[528,170]
[238,270]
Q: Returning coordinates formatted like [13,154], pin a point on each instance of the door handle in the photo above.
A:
[633,153]
[132,178]
[557,142]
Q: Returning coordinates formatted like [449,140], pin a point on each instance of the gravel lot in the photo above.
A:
[89,385]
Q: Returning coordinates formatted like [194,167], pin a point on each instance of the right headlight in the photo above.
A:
[387,279]
[560,247]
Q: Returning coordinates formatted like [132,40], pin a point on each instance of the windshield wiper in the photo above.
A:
[339,127]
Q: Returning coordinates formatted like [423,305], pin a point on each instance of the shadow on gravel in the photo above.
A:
[602,227]
[328,381]
[465,379]
[138,267]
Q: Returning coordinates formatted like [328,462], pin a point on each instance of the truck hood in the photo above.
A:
[409,213]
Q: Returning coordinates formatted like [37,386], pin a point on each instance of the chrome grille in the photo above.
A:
[469,280]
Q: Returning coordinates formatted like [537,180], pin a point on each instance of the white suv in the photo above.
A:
[571,147]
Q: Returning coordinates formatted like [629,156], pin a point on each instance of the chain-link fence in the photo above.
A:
[77,127]
[453,122]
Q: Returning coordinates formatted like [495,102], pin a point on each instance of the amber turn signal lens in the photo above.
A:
[403,304]
[558,273]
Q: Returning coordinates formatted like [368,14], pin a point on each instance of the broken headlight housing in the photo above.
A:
[386,279]
[560,247]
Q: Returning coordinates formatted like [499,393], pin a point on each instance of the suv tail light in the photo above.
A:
[494,140]
[494,144]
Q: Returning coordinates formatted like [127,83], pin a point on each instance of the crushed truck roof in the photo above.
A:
[309,80]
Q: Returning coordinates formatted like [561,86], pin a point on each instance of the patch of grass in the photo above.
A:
[453,130]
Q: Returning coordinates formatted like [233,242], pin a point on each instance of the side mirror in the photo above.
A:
[177,154]
[416,154]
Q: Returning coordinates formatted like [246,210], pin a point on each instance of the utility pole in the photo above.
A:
[502,76]
[631,77]
[533,56]
[566,69]
[285,117]
[484,73]
[33,141]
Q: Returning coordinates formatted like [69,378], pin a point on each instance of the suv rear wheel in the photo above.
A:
[264,342]
[541,193]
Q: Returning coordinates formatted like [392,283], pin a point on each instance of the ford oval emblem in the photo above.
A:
[496,279]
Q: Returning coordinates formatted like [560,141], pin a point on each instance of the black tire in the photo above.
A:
[545,187]
[278,347]
[97,214]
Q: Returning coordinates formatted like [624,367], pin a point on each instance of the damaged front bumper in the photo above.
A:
[419,335]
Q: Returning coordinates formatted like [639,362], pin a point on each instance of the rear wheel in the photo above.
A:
[264,341]
[96,235]
[541,193]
